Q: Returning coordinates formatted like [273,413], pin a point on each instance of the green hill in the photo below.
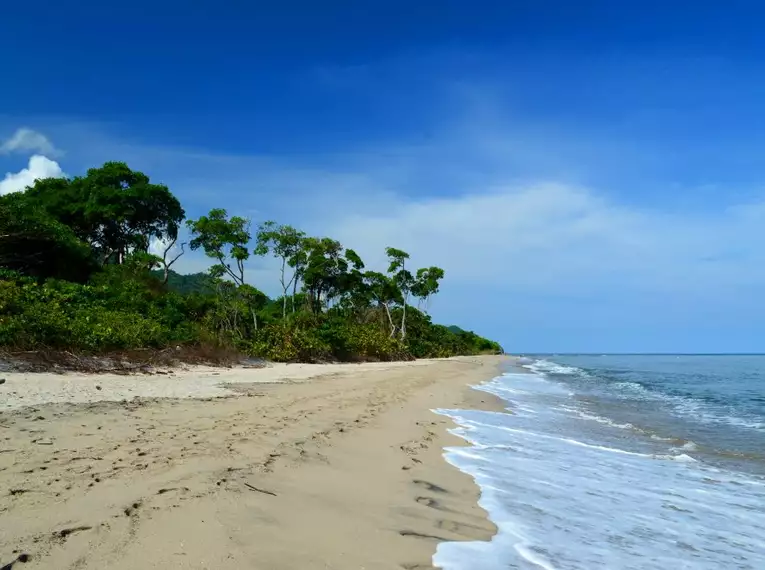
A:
[187,284]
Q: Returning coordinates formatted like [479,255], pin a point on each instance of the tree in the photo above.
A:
[426,283]
[403,279]
[113,208]
[385,293]
[298,263]
[169,255]
[254,299]
[35,244]
[286,243]
[227,240]
[350,287]
[62,201]
[223,239]
[324,265]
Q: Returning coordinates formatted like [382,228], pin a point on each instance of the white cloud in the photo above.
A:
[157,247]
[26,140]
[38,167]
[553,238]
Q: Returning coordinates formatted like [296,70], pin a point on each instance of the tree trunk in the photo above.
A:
[284,289]
[168,264]
[106,257]
[390,320]
[403,319]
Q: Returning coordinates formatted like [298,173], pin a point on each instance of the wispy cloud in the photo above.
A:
[26,141]
[551,237]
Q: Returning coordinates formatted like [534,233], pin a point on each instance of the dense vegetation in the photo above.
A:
[76,274]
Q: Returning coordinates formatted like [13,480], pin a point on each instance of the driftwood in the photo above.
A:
[253,488]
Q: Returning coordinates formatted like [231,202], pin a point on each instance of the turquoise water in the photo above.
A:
[619,462]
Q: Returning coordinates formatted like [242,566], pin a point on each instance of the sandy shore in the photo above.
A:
[281,468]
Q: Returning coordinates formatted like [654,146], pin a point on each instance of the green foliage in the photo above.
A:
[425,339]
[323,271]
[117,314]
[75,274]
[311,338]
[284,343]
[221,238]
[200,283]
[112,208]
[287,244]
[427,282]
[35,244]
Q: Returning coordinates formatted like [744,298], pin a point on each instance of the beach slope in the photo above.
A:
[318,467]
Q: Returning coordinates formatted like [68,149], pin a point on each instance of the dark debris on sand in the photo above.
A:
[140,361]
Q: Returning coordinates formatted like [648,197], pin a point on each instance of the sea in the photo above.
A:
[649,462]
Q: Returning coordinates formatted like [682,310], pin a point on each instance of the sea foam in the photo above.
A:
[570,490]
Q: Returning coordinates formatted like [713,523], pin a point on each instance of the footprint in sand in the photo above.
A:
[429,486]
[430,502]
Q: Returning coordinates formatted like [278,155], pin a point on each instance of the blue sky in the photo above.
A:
[589,174]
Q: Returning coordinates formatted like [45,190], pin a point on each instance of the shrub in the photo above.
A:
[283,342]
[64,315]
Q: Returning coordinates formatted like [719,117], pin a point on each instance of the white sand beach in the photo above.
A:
[290,466]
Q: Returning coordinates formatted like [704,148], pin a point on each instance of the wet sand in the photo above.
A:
[331,467]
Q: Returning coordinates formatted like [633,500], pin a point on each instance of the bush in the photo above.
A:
[120,312]
[356,341]
[311,338]
[283,342]
[63,315]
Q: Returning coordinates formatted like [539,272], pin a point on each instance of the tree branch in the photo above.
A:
[165,264]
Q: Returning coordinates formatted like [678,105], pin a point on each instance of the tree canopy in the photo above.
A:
[34,243]
[112,208]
